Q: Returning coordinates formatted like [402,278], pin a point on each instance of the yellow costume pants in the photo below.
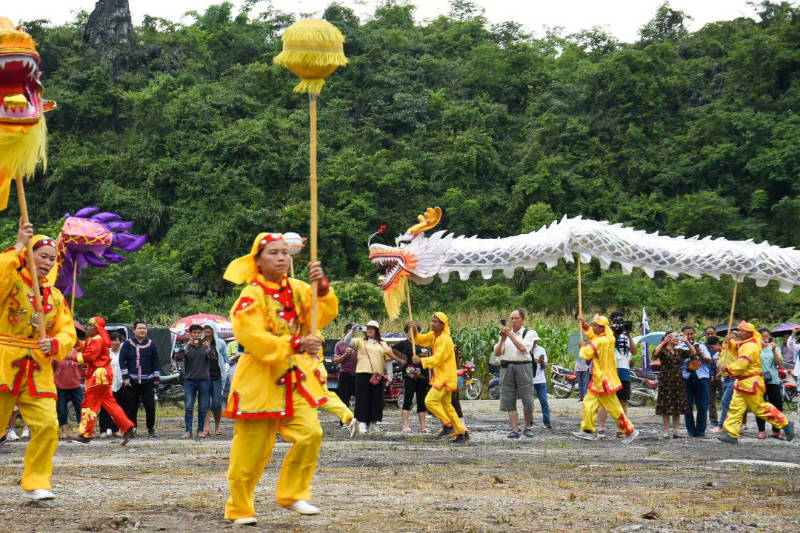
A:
[741,402]
[593,401]
[253,440]
[40,415]
[439,403]
[336,407]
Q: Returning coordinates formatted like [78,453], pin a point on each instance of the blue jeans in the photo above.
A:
[696,395]
[727,396]
[541,392]
[214,403]
[65,397]
[195,388]
[583,382]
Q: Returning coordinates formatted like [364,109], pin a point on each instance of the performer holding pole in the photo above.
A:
[748,391]
[445,374]
[274,389]
[26,375]
[605,381]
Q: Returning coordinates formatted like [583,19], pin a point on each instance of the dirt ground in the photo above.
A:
[407,483]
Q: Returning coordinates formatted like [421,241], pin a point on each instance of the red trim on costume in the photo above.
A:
[282,296]
[53,347]
[754,389]
[304,393]
[27,366]
[745,357]
[297,343]
[585,327]
[270,237]
[244,303]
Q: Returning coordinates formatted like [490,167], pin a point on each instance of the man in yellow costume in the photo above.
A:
[748,391]
[274,389]
[26,375]
[604,382]
[444,380]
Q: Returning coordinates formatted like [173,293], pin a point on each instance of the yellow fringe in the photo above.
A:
[394,296]
[313,30]
[310,86]
[303,56]
[21,149]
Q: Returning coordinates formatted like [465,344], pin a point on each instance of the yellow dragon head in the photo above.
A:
[22,108]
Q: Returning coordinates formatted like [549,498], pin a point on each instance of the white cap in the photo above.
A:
[374,324]
[535,335]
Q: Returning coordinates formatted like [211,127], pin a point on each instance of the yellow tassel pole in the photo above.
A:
[312,111]
[580,297]
[291,266]
[31,262]
[312,50]
[410,318]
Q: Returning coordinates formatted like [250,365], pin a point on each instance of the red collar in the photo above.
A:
[282,295]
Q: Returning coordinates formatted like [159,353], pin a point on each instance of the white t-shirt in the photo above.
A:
[540,376]
[510,352]
[117,382]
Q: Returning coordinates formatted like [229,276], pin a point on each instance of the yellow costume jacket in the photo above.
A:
[605,379]
[747,367]
[21,360]
[268,321]
[442,362]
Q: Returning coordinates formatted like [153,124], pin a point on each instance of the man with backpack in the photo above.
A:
[516,372]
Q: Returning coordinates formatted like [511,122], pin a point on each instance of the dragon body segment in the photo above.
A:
[420,258]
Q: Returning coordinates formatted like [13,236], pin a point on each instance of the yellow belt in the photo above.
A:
[19,342]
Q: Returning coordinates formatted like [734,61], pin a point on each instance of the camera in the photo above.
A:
[360,328]
[502,321]
[619,325]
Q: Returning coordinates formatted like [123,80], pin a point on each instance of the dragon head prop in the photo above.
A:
[413,256]
[22,127]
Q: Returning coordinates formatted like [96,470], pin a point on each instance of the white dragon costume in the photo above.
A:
[422,257]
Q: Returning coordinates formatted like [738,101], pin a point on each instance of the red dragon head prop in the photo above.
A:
[22,127]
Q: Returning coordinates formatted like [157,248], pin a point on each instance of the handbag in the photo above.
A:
[376,378]
[693,365]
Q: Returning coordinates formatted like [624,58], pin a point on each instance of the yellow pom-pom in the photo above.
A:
[312,50]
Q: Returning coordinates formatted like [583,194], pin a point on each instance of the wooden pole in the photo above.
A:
[733,307]
[410,318]
[74,282]
[30,261]
[312,111]
[291,266]
[580,297]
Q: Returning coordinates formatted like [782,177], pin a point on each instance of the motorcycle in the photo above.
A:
[170,388]
[564,381]
[643,388]
[494,387]
[468,382]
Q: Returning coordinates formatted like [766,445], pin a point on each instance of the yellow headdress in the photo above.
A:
[443,317]
[37,241]
[747,326]
[244,269]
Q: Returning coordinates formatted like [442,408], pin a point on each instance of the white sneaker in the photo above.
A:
[108,432]
[352,427]
[362,428]
[12,435]
[38,494]
[247,521]
[26,433]
[303,507]
[630,437]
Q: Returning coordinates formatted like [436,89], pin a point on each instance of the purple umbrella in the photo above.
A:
[784,329]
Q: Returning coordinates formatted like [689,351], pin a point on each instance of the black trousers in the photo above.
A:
[105,419]
[418,387]
[369,399]
[457,404]
[347,387]
[773,396]
[139,392]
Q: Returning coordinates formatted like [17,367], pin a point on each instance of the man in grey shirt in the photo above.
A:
[516,371]
[197,355]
